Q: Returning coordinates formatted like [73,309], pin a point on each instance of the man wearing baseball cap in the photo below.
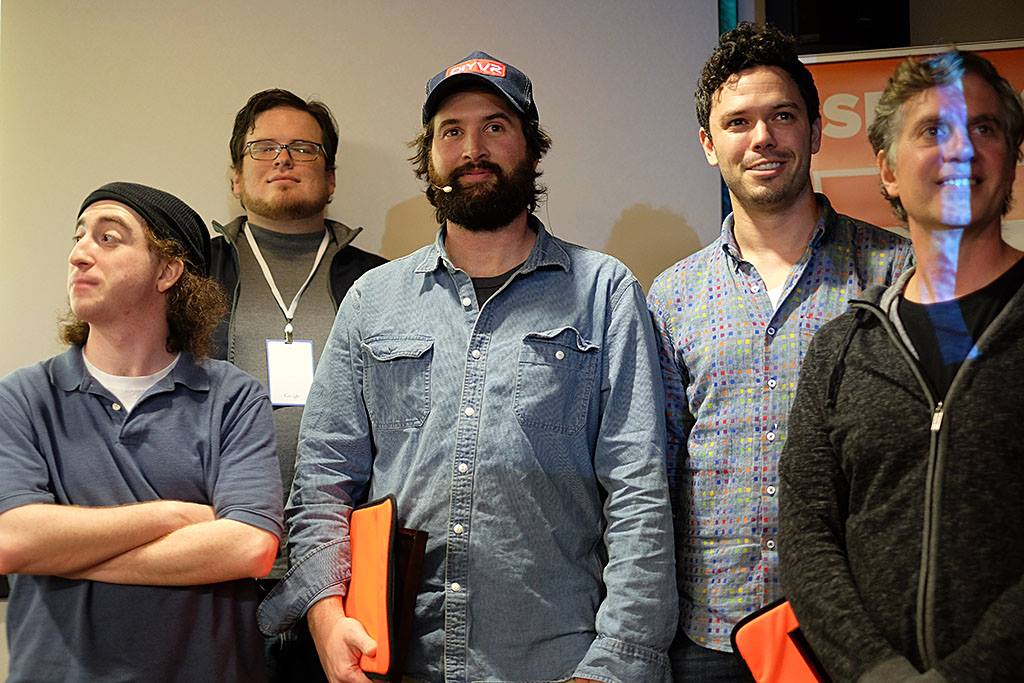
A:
[141,488]
[503,385]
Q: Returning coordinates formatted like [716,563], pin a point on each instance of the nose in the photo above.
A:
[762,135]
[474,147]
[80,255]
[959,146]
[284,158]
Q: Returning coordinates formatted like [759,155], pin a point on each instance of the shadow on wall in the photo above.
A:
[408,226]
[649,240]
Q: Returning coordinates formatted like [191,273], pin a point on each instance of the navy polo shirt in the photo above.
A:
[202,434]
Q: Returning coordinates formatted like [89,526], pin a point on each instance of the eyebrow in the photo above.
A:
[290,142]
[929,121]
[491,117]
[106,219]
[785,104]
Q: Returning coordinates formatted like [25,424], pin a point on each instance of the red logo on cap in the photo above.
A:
[484,67]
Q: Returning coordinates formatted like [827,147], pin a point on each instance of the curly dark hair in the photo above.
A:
[745,47]
[538,142]
[245,121]
[914,76]
[195,304]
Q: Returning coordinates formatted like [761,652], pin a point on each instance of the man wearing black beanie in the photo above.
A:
[140,489]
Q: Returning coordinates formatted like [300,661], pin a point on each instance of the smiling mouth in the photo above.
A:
[958,182]
[766,166]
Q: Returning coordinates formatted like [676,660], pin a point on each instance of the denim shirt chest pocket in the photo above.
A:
[554,380]
[396,380]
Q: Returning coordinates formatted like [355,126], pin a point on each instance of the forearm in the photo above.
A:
[993,651]
[210,552]
[63,539]
[636,621]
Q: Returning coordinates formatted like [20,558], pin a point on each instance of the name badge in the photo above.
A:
[289,371]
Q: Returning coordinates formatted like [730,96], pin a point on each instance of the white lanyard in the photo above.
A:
[289,312]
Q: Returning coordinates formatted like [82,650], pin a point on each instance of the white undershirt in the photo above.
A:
[775,294]
[128,390]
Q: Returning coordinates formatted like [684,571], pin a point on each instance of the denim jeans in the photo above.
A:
[692,662]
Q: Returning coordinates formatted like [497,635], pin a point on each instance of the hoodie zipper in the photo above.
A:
[924,584]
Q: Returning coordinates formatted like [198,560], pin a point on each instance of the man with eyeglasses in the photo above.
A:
[285,269]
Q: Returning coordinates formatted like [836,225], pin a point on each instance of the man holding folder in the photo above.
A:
[504,386]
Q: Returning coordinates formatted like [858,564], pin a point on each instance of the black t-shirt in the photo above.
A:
[485,287]
[945,333]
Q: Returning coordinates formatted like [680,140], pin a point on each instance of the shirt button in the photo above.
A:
[463,468]
[754,289]
[772,383]
[469,412]
[770,490]
[116,406]
[475,353]
[456,587]
[770,545]
[771,331]
[770,436]
[559,355]
[458,529]
[467,302]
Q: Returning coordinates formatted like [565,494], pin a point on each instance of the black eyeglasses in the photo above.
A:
[268,150]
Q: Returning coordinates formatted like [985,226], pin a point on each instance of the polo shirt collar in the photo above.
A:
[68,372]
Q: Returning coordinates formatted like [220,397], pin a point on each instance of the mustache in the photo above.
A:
[477,166]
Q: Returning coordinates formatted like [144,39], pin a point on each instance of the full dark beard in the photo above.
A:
[487,206]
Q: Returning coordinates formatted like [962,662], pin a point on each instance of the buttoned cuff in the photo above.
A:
[320,574]
[610,660]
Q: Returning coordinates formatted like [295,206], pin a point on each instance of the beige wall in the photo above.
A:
[141,90]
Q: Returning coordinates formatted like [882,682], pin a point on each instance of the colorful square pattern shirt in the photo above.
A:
[730,361]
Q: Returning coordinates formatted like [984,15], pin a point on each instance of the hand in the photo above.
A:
[340,641]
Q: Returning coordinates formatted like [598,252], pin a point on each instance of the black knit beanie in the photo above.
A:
[168,217]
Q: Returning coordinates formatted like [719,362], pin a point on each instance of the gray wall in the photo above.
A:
[146,90]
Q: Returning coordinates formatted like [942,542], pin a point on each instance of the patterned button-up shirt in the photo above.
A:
[527,437]
[730,362]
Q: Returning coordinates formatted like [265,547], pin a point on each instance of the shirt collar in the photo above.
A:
[68,372]
[827,218]
[547,252]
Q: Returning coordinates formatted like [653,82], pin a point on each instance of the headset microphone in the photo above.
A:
[447,189]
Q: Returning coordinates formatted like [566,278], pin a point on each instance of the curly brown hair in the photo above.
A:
[745,47]
[538,142]
[195,304]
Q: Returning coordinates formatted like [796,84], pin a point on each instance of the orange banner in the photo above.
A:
[849,86]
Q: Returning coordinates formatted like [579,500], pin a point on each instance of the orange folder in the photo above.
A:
[773,648]
[386,564]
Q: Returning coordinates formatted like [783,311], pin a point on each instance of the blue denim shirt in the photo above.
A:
[527,437]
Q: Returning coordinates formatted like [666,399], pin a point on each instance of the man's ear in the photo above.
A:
[709,147]
[886,173]
[816,135]
[169,274]
[236,182]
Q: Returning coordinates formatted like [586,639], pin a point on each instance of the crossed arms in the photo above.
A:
[162,543]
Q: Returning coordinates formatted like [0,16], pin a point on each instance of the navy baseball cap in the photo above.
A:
[479,68]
